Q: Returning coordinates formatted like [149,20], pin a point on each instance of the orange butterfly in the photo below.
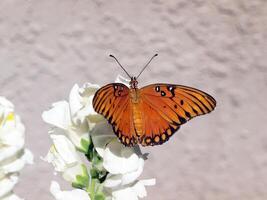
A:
[150,115]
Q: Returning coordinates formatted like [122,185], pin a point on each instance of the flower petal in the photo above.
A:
[76,194]
[121,79]
[132,176]
[119,159]
[58,115]
[126,193]
[88,89]
[17,164]
[119,180]
[8,152]
[62,154]
[101,136]
[132,192]
[6,107]
[75,100]
[81,106]
[113,181]
[7,184]
[65,158]
[139,187]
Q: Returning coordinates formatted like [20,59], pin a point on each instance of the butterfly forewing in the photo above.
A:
[113,102]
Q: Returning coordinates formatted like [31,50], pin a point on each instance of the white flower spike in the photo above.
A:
[79,132]
[13,155]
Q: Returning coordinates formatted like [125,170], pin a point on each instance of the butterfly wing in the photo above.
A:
[166,107]
[113,102]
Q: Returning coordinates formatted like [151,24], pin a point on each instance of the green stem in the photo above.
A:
[91,189]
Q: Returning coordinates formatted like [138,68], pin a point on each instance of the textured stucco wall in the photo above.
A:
[217,46]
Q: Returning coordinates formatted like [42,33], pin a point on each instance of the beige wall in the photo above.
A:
[217,46]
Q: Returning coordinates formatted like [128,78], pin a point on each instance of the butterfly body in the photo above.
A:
[150,115]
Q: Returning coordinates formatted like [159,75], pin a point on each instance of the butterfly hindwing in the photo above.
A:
[170,106]
[113,102]
[157,126]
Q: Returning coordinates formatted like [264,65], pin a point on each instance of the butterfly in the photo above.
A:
[152,114]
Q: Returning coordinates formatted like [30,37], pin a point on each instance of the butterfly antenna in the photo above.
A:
[120,65]
[147,65]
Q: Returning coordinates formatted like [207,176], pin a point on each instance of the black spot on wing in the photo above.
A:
[181,119]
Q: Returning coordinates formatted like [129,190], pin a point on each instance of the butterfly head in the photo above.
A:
[133,83]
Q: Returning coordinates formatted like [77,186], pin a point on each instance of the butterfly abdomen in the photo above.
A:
[137,119]
[136,111]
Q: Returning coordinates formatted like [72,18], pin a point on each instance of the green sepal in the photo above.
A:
[90,151]
[77,185]
[99,196]
[85,145]
[94,173]
[97,161]
[82,181]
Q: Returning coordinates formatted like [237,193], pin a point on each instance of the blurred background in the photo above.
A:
[217,46]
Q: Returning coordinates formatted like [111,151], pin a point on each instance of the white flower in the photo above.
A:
[76,194]
[124,164]
[65,158]
[132,192]
[76,117]
[13,156]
